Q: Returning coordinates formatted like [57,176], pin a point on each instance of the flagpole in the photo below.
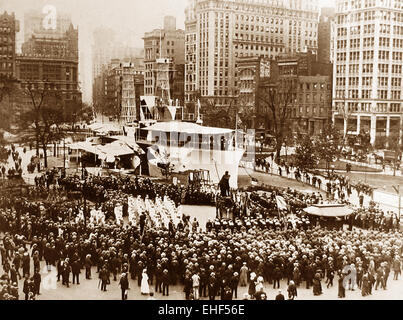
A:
[236,130]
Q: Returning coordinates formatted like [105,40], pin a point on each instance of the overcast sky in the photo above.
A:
[131,18]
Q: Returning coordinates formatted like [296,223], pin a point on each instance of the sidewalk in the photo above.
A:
[274,170]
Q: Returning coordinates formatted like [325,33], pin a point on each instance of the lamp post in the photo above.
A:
[397,189]
[64,154]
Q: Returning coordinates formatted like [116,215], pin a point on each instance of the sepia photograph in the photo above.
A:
[201,150]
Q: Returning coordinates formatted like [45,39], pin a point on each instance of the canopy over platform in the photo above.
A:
[187,127]
[116,148]
[329,210]
[83,145]
[131,142]
[108,151]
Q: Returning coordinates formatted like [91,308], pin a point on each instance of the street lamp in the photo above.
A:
[397,189]
[64,154]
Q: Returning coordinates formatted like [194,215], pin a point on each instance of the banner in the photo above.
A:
[281,204]
[136,162]
[172,111]
[142,117]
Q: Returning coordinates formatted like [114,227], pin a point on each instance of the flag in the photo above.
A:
[293,222]
[142,118]
[172,111]
[281,204]
[136,162]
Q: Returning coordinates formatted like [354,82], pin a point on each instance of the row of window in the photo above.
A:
[6,66]
[6,49]
[363,4]
[369,68]
[6,40]
[367,94]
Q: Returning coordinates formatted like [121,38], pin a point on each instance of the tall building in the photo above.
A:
[104,42]
[37,23]
[325,34]
[251,72]
[312,91]
[51,58]
[127,98]
[117,90]
[106,47]
[221,31]
[167,43]
[190,52]
[367,74]
[9,26]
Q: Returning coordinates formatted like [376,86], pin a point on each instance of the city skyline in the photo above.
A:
[87,15]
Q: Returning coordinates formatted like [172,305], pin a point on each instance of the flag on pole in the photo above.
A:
[281,204]
[142,117]
[293,222]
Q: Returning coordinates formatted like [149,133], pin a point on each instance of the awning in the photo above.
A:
[83,145]
[331,210]
[131,142]
[187,127]
[116,149]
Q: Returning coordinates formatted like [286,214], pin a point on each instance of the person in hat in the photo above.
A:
[196,285]
[234,284]
[36,278]
[26,289]
[212,286]
[243,278]
[252,285]
[292,290]
[259,288]
[226,291]
[66,272]
[396,267]
[276,277]
[103,276]
[341,287]
[165,282]
[88,264]
[280,296]
[365,285]
[224,184]
[26,263]
[75,270]
[330,277]
[124,285]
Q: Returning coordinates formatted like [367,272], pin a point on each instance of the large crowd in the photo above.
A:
[148,239]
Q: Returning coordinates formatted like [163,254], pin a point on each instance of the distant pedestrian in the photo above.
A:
[124,285]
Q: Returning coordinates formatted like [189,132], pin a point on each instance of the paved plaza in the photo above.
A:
[90,289]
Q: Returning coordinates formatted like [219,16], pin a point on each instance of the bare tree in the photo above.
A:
[343,110]
[278,100]
[8,94]
[43,117]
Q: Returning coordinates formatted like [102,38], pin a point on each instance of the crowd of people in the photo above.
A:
[251,243]
[337,187]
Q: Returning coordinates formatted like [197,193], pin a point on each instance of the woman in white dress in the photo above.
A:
[145,288]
